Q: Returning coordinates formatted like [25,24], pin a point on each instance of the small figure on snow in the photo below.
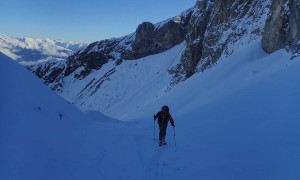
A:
[163,117]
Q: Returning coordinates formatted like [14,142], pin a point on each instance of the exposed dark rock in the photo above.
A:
[150,40]
[143,39]
[54,74]
[282,28]
[206,40]
[294,25]
[118,62]
[96,60]
[196,28]
[90,59]
[48,68]
[275,31]
[167,36]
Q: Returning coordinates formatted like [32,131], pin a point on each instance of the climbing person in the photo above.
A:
[163,117]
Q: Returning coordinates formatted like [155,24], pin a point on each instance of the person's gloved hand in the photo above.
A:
[154,117]
[173,125]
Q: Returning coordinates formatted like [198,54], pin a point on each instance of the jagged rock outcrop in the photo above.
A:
[215,26]
[143,39]
[90,59]
[283,26]
[150,40]
[294,25]
[195,38]
[275,31]
[52,73]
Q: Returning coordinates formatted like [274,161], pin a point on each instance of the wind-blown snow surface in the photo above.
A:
[238,120]
[44,137]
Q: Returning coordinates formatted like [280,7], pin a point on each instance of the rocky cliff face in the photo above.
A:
[216,25]
[152,40]
[283,26]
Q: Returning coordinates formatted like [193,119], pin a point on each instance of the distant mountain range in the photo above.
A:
[29,51]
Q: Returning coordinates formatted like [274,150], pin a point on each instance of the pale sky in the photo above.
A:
[83,20]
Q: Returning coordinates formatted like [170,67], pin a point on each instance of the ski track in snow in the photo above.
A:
[157,161]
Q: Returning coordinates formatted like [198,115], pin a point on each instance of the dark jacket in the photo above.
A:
[164,118]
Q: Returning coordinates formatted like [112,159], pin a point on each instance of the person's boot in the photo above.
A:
[164,142]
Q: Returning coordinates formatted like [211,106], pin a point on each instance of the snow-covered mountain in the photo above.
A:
[28,51]
[237,120]
[228,71]
[109,75]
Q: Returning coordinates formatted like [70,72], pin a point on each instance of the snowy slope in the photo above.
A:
[244,126]
[134,83]
[29,51]
[244,123]
[44,137]
[244,68]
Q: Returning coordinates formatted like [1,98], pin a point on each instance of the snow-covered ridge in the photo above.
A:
[28,51]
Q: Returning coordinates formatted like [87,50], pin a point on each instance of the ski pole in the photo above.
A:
[154,129]
[174,136]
